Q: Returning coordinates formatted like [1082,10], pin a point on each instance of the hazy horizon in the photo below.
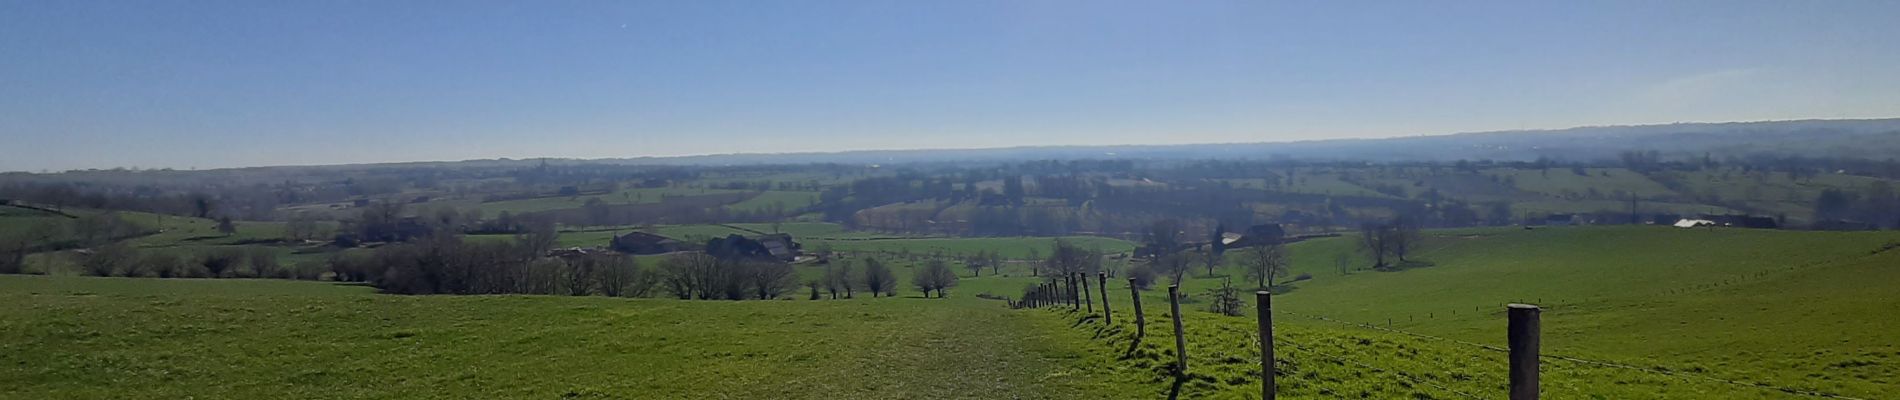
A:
[214,85]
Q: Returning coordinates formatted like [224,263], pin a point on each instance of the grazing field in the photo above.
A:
[1008,247]
[775,199]
[1791,309]
[148,338]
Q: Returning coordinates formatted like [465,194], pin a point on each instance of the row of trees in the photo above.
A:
[702,276]
[448,265]
[124,260]
[841,277]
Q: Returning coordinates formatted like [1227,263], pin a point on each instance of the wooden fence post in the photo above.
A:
[1264,306]
[1087,298]
[1074,294]
[1141,322]
[1107,317]
[1180,339]
[1523,331]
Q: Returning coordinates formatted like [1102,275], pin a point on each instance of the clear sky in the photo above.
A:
[207,84]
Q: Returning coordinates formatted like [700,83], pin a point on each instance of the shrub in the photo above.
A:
[108,258]
[1142,276]
[162,264]
[263,263]
[12,261]
[1226,298]
[216,262]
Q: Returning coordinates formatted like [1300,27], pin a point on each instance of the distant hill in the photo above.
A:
[1870,139]
[1876,139]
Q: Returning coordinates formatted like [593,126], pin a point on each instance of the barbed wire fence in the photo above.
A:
[1599,363]
[1056,293]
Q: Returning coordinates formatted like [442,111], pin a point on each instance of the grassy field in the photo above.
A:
[786,200]
[238,339]
[1803,311]
[1008,247]
[1796,309]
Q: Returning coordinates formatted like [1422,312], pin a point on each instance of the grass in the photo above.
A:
[120,338]
[1789,308]
[1008,247]
[1800,310]
[787,200]
[1562,182]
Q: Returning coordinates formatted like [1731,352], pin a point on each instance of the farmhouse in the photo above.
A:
[643,243]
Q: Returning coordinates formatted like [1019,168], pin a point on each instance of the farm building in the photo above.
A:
[1257,235]
[777,246]
[644,243]
[1691,223]
[1742,221]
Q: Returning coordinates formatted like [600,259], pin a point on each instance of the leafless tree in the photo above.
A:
[1265,264]
[878,278]
[262,261]
[106,259]
[620,276]
[936,275]
[769,279]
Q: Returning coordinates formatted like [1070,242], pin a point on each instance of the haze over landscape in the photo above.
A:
[218,84]
[856,199]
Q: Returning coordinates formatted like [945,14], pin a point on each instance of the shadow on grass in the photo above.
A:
[1282,289]
[1132,345]
[1405,265]
[1174,391]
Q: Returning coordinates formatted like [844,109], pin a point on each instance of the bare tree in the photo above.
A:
[578,277]
[770,279]
[878,278]
[1375,240]
[13,249]
[263,262]
[936,275]
[1225,299]
[1265,264]
[621,276]
[838,277]
[302,226]
[106,259]
[1404,235]
[226,227]
[538,236]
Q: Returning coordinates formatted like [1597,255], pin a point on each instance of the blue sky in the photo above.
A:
[243,83]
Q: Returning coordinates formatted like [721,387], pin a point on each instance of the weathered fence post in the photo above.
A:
[1087,298]
[1141,322]
[1523,331]
[1074,293]
[1107,317]
[1263,304]
[1180,339]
